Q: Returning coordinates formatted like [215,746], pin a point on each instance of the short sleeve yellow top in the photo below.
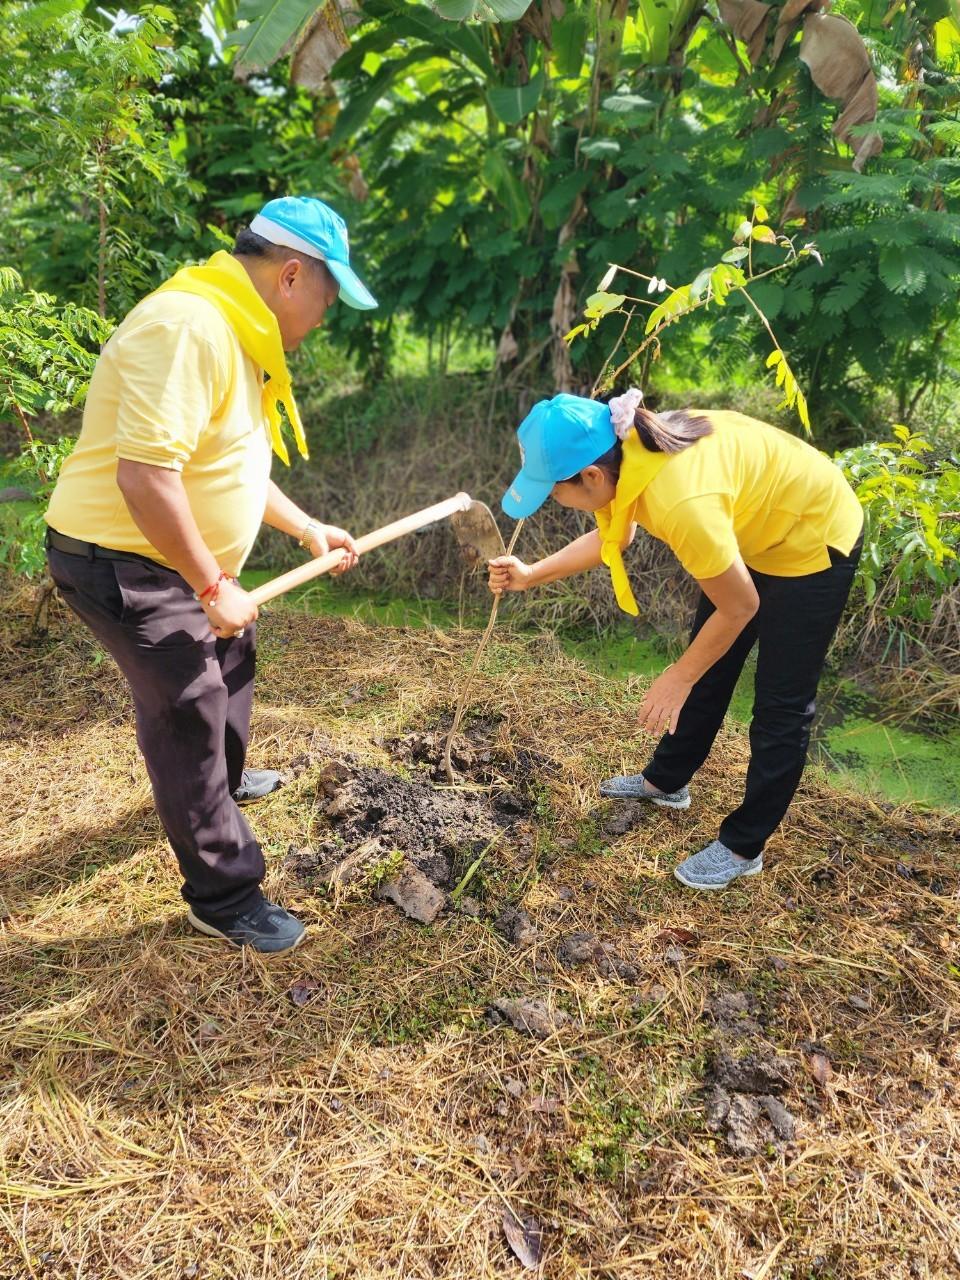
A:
[747,488]
[172,388]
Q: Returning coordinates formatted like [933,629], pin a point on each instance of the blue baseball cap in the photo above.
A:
[313,228]
[558,438]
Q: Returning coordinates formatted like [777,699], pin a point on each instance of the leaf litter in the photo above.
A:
[173,1105]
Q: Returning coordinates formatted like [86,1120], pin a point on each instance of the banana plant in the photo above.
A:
[273,28]
[663,24]
[482,10]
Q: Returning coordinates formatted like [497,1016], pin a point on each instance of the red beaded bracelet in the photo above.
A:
[213,589]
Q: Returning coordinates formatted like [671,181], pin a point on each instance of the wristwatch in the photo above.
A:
[310,530]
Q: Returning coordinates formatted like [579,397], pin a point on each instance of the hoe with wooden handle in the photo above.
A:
[460,502]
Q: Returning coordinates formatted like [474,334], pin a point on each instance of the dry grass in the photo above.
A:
[430,437]
[169,1111]
[434,437]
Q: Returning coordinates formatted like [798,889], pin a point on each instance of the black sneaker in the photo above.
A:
[265,927]
[255,784]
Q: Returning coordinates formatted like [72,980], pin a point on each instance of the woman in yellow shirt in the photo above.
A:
[771,531]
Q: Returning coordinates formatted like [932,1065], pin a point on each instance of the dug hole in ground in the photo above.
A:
[511,1040]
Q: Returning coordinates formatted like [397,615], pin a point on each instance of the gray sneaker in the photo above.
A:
[633,786]
[715,867]
[255,784]
[265,927]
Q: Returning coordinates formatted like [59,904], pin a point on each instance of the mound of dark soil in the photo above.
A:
[427,824]
[376,814]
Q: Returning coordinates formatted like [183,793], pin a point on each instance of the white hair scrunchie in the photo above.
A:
[623,411]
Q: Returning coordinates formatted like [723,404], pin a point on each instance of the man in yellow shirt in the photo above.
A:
[157,509]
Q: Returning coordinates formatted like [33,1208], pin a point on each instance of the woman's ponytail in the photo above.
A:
[670,432]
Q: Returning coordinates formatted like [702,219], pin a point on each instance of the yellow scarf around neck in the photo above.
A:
[637,469]
[223,281]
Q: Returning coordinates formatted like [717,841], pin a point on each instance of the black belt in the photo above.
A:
[92,551]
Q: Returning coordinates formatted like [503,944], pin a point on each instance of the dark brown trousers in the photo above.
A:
[192,695]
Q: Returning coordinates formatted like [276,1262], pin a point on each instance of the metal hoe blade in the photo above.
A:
[477,534]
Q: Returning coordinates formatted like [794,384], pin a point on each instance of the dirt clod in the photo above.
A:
[415,895]
[333,775]
[734,1013]
[753,1073]
[623,817]
[529,1016]
[578,948]
[354,866]
[427,748]
[750,1124]
[784,1124]
[421,821]
[516,926]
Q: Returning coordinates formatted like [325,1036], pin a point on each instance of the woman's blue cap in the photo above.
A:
[313,228]
[558,438]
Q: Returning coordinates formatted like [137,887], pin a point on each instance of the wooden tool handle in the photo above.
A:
[323,564]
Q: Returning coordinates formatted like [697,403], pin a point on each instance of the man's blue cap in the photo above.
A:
[558,438]
[313,228]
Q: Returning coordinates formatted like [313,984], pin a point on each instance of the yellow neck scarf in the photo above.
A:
[638,468]
[223,281]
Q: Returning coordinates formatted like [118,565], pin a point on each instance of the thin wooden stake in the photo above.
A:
[462,701]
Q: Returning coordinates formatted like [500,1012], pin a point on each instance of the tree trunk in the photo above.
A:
[102,240]
[611,17]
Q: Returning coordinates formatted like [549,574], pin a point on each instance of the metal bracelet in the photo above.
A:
[310,529]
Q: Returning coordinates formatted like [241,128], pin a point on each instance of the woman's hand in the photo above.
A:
[327,537]
[660,709]
[507,573]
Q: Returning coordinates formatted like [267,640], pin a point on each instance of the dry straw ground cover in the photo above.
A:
[760,1083]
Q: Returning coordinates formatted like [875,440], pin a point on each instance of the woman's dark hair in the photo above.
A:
[668,432]
[671,431]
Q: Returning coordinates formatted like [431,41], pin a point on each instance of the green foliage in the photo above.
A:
[911,502]
[481,10]
[874,314]
[22,535]
[611,1125]
[97,198]
[497,156]
[47,350]
[659,23]
[47,354]
[713,285]
[269,28]
[513,151]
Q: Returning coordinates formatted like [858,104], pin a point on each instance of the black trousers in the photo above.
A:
[192,695]
[792,629]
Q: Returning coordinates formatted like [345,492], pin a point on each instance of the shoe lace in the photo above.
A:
[261,913]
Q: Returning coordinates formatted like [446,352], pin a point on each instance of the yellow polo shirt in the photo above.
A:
[172,388]
[747,489]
